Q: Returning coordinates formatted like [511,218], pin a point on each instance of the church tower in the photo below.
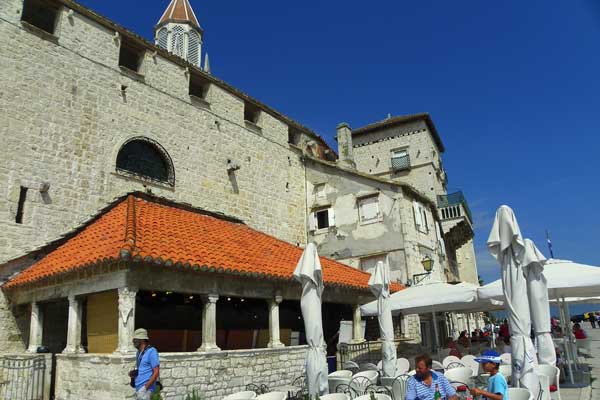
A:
[179,32]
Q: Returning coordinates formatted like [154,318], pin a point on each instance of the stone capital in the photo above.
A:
[210,298]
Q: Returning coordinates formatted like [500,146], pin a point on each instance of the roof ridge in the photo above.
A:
[130,231]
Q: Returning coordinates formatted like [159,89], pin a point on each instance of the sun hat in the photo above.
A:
[489,356]
[140,334]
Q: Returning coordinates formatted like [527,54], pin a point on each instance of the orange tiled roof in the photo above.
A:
[144,228]
[179,11]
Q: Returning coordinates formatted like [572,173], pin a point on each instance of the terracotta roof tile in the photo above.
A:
[179,11]
[144,228]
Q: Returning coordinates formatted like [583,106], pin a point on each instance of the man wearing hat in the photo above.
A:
[147,366]
[497,387]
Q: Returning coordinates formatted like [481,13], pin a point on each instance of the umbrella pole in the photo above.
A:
[435,333]
[563,319]
[570,333]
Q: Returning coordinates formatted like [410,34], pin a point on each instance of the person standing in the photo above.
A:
[497,387]
[145,376]
[427,384]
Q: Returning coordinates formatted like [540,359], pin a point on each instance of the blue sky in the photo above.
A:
[513,88]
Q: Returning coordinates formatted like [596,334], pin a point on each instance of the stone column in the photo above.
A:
[74,327]
[209,324]
[357,325]
[274,340]
[126,320]
[36,328]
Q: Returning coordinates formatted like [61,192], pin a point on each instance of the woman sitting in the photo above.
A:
[451,344]
[578,332]
[463,340]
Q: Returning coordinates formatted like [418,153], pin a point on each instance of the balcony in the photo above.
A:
[457,222]
[453,206]
[400,163]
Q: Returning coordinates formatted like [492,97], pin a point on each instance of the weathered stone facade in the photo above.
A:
[212,375]
[65,117]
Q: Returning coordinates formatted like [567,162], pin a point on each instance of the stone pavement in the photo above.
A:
[588,387]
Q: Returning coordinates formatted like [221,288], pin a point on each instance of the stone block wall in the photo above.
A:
[64,119]
[212,375]
[372,154]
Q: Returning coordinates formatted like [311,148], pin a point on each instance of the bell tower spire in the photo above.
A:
[179,32]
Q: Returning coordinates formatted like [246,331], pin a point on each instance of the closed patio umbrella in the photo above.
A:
[380,286]
[506,245]
[539,306]
[308,272]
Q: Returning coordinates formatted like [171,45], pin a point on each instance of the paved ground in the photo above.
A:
[588,387]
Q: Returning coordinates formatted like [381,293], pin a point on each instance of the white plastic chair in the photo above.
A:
[450,360]
[245,395]
[519,394]
[506,358]
[370,375]
[378,396]
[586,345]
[337,378]
[412,372]
[437,366]
[398,387]
[370,367]
[402,366]
[459,377]
[272,396]
[469,361]
[506,370]
[553,374]
[335,396]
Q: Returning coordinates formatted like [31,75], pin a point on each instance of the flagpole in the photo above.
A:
[549,243]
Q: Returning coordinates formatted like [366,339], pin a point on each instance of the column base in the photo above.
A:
[32,349]
[73,350]
[208,348]
[357,341]
[127,351]
[275,345]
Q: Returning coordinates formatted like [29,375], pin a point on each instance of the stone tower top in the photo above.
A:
[179,32]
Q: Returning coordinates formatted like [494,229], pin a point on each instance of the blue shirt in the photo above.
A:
[497,385]
[146,362]
[416,389]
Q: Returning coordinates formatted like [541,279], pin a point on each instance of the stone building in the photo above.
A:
[94,115]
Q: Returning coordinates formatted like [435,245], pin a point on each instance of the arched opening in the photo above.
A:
[146,159]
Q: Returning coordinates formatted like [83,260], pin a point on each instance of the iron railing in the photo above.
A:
[23,378]
[454,205]
[400,163]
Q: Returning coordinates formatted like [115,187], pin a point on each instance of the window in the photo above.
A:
[251,113]
[177,37]
[368,209]
[420,214]
[368,264]
[321,219]
[21,205]
[294,136]
[162,37]
[193,53]
[198,86]
[130,56]
[147,159]
[400,160]
[42,14]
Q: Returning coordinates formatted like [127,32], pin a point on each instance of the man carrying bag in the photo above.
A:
[145,377]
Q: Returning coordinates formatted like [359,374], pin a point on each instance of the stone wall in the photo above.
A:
[373,150]
[212,375]
[64,118]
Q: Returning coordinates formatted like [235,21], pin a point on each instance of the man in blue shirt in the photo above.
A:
[497,386]
[147,365]
[424,384]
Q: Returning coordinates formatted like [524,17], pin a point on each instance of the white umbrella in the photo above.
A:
[539,306]
[380,286]
[506,245]
[308,272]
[431,297]
[564,279]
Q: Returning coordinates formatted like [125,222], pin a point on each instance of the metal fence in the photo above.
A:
[365,352]
[23,378]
